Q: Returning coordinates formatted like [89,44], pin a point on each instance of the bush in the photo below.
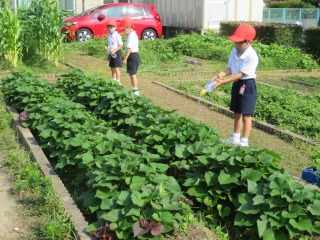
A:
[312,42]
[290,4]
[288,35]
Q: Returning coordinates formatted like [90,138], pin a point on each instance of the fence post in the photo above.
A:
[283,15]
[300,16]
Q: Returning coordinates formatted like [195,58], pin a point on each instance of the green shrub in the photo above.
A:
[312,41]
[290,4]
[288,35]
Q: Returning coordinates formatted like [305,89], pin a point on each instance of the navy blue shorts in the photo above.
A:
[246,103]
[116,62]
[133,63]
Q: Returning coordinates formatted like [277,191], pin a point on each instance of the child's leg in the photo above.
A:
[237,122]
[134,81]
[113,73]
[117,73]
[247,125]
[235,137]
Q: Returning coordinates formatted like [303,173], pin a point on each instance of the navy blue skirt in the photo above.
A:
[244,103]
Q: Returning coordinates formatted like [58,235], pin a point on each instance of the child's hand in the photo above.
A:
[221,75]
[218,81]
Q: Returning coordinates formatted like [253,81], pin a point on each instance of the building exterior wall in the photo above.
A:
[83,5]
[245,10]
[203,14]
[193,14]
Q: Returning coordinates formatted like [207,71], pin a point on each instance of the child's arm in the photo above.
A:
[116,50]
[127,55]
[226,72]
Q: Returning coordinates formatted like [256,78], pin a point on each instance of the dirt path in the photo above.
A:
[296,158]
[12,224]
[15,219]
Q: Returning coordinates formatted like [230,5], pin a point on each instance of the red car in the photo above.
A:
[146,21]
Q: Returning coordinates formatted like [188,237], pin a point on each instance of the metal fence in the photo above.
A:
[69,5]
[305,17]
[23,3]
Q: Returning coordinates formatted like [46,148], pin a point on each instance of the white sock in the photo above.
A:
[135,91]
[236,135]
[244,140]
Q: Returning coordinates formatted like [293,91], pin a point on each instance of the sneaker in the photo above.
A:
[243,144]
[231,140]
[136,93]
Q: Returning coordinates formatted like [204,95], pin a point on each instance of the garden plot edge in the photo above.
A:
[29,142]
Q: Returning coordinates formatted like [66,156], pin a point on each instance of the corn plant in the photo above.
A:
[10,44]
[42,26]
[53,37]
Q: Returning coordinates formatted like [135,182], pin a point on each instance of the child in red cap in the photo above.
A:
[242,65]
[114,49]
[132,58]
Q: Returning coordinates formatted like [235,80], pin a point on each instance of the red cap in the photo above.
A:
[245,32]
[126,22]
[112,22]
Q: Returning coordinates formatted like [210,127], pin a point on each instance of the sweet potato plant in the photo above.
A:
[143,180]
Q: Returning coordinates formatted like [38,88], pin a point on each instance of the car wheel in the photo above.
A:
[149,34]
[83,34]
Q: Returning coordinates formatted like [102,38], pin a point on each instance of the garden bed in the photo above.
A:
[49,104]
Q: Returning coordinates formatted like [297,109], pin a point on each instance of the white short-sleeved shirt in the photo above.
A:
[247,63]
[114,41]
[133,42]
